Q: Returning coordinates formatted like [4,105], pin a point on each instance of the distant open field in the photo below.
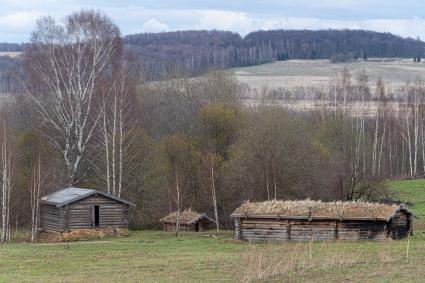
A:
[156,256]
[319,73]
[10,53]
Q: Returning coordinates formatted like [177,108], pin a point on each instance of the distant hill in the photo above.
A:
[12,47]
[196,51]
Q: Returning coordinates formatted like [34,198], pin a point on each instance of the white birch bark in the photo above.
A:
[6,185]
[68,61]
[214,196]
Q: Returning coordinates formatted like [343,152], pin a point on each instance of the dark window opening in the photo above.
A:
[96,216]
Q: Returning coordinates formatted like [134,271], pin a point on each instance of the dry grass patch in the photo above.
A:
[82,235]
[298,261]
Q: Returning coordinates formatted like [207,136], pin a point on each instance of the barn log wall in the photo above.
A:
[51,218]
[199,225]
[400,225]
[277,230]
[362,230]
[112,213]
[204,224]
[171,227]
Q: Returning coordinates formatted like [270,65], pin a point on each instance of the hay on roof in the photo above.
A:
[318,209]
[187,216]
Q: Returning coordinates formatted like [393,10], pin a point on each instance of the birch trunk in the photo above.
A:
[381,148]
[178,204]
[6,185]
[214,196]
[113,145]
[106,145]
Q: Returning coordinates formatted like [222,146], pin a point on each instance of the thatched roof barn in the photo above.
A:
[189,220]
[76,208]
[315,220]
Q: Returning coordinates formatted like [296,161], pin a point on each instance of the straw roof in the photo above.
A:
[187,216]
[311,209]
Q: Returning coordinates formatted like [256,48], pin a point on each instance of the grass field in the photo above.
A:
[154,256]
[318,73]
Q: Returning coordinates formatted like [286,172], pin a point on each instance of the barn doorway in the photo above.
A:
[96,216]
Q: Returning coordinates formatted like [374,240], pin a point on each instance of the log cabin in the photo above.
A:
[308,220]
[189,220]
[76,208]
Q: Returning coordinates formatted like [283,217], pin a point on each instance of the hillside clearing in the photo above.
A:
[318,73]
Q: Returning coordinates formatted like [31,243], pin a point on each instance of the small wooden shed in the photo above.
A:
[77,208]
[189,220]
[275,221]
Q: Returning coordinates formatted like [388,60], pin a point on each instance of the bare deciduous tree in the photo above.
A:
[35,187]
[118,124]
[5,183]
[66,62]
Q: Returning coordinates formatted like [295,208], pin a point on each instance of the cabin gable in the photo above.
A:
[82,213]
[400,225]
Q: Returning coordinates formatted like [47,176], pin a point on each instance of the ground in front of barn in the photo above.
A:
[156,256]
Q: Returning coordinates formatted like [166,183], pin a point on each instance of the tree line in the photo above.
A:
[200,51]
[197,52]
[85,117]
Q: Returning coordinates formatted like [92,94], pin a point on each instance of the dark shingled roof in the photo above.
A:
[71,194]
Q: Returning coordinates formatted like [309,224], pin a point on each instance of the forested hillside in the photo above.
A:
[12,47]
[197,51]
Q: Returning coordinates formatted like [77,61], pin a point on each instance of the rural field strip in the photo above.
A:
[368,109]
[319,73]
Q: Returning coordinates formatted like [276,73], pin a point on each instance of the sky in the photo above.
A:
[405,18]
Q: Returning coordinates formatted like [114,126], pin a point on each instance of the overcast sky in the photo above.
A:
[405,18]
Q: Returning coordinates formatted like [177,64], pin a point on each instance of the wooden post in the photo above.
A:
[66,218]
[336,230]
[238,226]
[288,229]
[60,220]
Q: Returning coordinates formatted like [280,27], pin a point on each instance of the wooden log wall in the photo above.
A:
[274,230]
[362,230]
[171,227]
[400,225]
[112,213]
[205,224]
[50,218]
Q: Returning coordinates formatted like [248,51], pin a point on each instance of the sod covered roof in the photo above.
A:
[187,216]
[312,209]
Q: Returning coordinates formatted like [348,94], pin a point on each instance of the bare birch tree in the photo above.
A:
[5,183]
[118,123]
[66,62]
[35,187]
